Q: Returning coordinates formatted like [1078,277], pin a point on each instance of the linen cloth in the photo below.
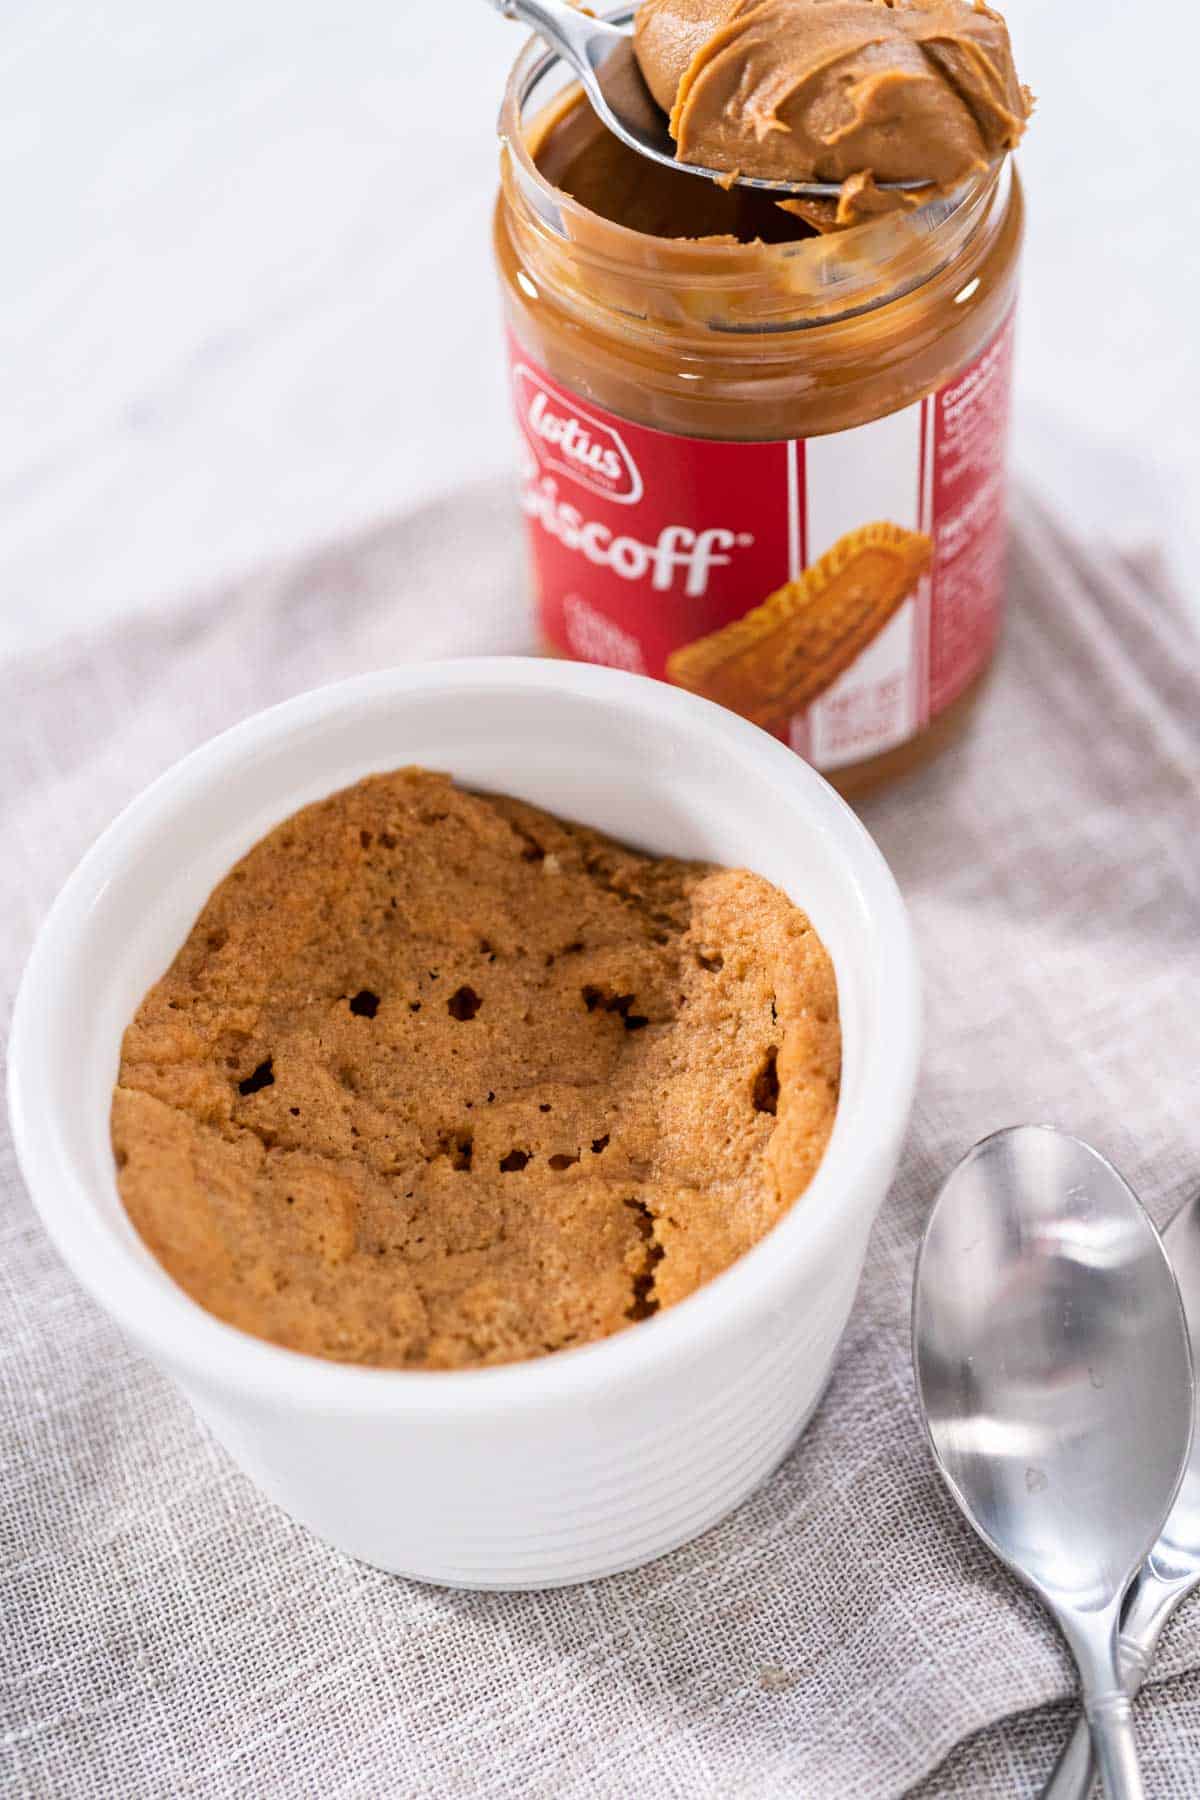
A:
[167,1631]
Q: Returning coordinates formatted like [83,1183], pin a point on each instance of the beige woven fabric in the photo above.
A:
[166,1631]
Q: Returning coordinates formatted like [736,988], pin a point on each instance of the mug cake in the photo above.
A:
[439,1080]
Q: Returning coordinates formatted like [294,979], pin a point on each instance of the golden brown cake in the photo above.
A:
[438,1080]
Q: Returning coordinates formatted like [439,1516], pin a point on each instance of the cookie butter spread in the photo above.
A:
[438,1080]
[853,91]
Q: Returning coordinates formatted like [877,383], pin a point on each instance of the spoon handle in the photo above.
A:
[1152,1600]
[1110,1716]
[1075,1770]
[562,25]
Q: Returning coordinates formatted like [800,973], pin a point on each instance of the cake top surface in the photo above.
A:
[438,1080]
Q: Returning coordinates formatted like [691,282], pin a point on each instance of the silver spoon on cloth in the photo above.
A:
[1055,1376]
[600,53]
[1172,1569]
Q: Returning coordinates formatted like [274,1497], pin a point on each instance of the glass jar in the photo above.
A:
[770,471]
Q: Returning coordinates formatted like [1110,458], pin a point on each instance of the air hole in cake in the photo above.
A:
[604,999]
[262,1077]
[463,1004]
[766,1083]
[562,1161]
[365,1004]
[365,839]
[460,1157]
[545,1106]
[599,1145]
[714,964]
[515,1160]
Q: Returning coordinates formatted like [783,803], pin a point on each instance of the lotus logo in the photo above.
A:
[571,441]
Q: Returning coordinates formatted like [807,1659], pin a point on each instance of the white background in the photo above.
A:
[246,302]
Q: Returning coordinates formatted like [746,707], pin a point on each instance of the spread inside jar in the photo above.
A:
[859,92]
[580,157]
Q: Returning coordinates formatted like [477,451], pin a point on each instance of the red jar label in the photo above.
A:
[840,590]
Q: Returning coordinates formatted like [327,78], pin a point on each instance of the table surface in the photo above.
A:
[249,307]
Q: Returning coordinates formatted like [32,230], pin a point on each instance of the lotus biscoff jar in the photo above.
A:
[763,463]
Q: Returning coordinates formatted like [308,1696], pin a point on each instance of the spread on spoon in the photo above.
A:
[439,1080]
[851,91]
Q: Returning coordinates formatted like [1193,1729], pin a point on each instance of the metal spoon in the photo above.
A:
[1172,1568]
[1054,1371]
[600,52]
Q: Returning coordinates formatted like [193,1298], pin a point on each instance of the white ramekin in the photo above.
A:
[578,1464]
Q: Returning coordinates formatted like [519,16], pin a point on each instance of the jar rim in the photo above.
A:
[837,269]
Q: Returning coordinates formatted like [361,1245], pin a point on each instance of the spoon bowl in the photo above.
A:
[1054,1372]
[1176,1555]
[600,53]
[1172,1569]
